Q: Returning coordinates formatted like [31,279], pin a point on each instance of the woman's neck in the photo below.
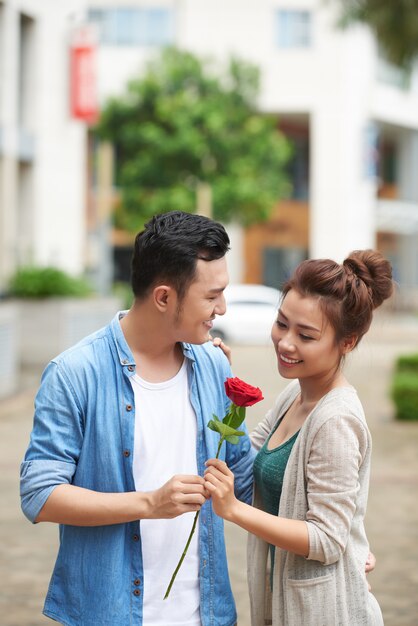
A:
[311,391]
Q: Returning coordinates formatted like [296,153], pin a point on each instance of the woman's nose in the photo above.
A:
[286,342]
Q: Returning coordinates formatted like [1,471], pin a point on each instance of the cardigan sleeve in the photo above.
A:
[333,467]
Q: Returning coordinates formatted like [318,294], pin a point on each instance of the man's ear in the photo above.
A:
[349,344]
[162,296]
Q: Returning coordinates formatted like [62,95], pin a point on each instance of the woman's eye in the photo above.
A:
[280,324]
[306,338]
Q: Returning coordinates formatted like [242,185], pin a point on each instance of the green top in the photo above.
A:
[269,468]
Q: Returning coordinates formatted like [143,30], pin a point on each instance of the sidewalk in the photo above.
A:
[27,552]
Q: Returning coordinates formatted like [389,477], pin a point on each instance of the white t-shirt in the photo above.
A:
[165,445]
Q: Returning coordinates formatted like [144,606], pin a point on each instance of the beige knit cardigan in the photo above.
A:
[326,484]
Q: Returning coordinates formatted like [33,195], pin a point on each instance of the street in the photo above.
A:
[28,552]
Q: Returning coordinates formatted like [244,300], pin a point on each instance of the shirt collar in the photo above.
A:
[124,353]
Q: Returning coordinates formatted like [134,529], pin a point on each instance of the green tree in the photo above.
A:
[180,124]
[393,22]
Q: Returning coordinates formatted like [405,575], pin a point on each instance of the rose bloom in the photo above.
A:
[241,393]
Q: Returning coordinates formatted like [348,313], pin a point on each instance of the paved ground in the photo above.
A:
[27,552]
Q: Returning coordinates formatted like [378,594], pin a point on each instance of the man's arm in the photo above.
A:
[69,504]
[47,473]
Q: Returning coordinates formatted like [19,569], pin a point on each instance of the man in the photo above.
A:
[119,443]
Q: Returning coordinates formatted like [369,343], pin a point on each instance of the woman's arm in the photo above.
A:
[284,533]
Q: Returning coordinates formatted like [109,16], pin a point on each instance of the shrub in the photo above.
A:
[405,387]
[46,282]
[124,292]
[407,363]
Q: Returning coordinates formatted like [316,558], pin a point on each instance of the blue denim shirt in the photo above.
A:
[83,434]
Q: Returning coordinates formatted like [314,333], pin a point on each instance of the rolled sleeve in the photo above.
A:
[55,443]
[37,481]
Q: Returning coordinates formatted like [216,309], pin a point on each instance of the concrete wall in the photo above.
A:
[42,169]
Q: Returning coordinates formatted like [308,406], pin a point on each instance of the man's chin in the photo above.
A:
[198,340]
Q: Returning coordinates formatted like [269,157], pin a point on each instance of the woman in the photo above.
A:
[311,474]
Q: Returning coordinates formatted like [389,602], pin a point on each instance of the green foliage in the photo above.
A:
[405,387]
[124,292]
[179,124]
[44,282]
[407,362]
[229,425]
[394,23]
[227,432]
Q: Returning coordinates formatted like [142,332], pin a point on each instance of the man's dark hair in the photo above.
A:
[168,248]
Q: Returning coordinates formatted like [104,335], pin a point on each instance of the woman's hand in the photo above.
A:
[370,565]
[217,341]
[219,482]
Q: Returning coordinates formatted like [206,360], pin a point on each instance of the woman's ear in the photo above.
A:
[349,344]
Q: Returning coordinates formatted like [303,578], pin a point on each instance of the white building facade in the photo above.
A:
[357,116]
[42,151]
[359,113]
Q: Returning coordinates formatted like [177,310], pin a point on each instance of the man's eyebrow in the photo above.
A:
[305,326]
[216,289]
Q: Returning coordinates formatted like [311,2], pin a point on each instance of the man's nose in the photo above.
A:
[220,307]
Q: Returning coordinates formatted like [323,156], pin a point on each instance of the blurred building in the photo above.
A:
[42,148]
[352,118]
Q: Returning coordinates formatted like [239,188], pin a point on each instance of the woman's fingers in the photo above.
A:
[217,341]
[370,563]
[218,476]
[219,465]
[219,482]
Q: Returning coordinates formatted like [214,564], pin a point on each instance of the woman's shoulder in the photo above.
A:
[341,404]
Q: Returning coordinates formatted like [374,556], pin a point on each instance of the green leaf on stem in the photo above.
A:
[235,416]
[224,430]
[232,439]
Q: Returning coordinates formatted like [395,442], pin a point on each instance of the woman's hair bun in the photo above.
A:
[370,267]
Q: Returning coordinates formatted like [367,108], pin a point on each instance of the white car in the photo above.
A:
[251,311]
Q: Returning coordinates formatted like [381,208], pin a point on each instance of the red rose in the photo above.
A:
[241,393]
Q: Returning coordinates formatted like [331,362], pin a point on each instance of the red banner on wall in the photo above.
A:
[83,79]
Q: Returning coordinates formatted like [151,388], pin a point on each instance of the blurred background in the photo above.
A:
[295,123]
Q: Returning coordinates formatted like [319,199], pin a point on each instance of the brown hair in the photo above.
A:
[348,293]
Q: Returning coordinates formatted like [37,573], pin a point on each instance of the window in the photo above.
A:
[296,131]
[391,74]
[280,263]
[133,27]
[298,168]
[293,29]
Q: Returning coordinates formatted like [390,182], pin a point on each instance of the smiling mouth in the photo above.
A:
[286,359]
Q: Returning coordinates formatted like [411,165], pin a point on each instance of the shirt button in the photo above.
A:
[137,582]
[129,407]
[126,453]
[135,537]
[125,362]
[131,368]
[137,592]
